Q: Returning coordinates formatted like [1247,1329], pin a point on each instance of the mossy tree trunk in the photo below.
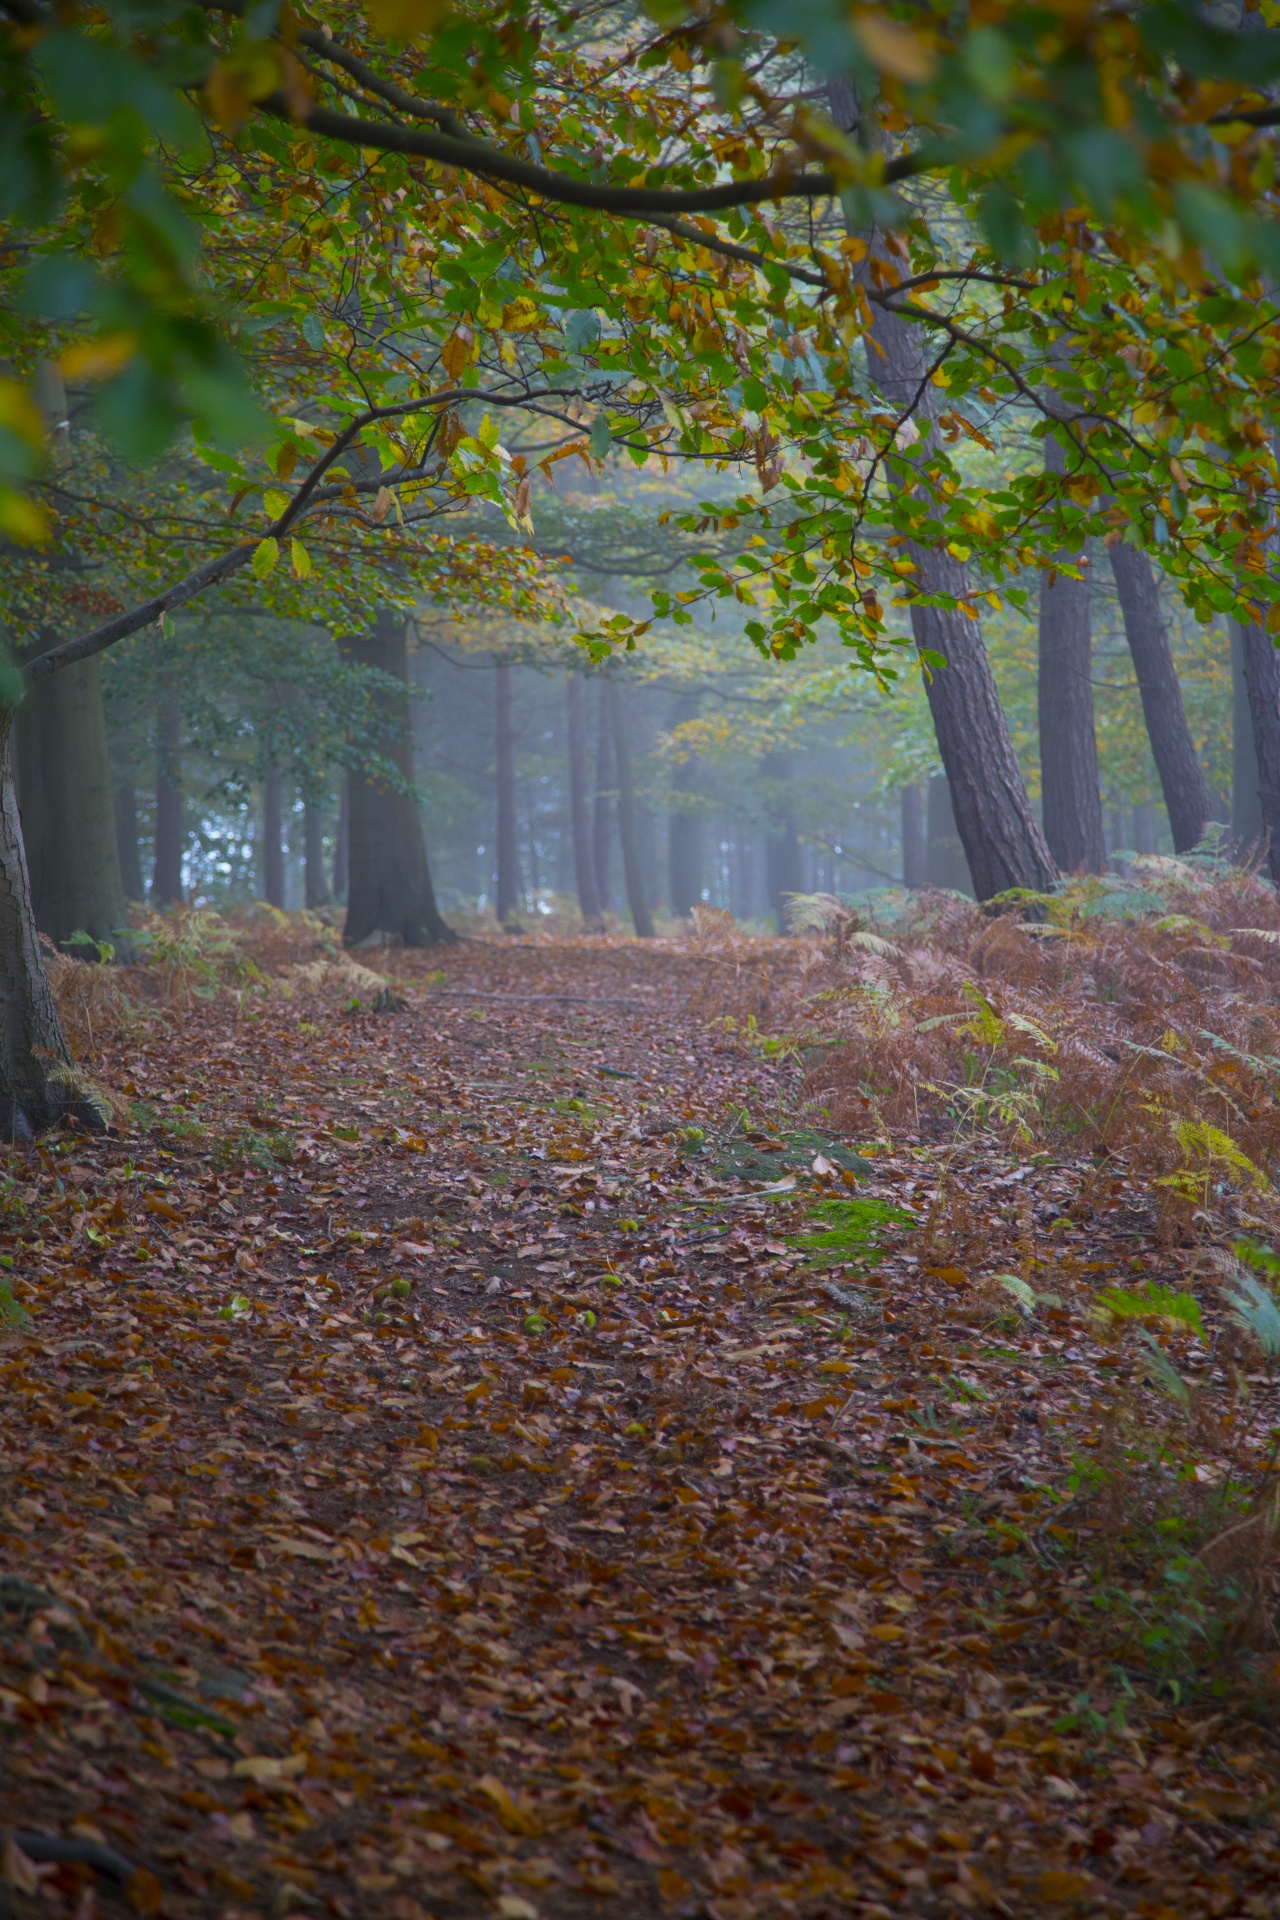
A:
[389,890]
[633,873]
[68,808]
[166,876]
[584,864]
[38,1086]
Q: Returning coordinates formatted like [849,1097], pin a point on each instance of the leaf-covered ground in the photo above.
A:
[442,1479]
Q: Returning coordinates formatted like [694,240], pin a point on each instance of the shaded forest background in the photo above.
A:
[753,779]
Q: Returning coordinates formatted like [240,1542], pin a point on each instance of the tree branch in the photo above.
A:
[476,156]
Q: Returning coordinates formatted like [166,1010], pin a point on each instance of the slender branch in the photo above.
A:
[476,156]
[211,574]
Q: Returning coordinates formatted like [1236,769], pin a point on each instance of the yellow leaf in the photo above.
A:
[892,47]
[672,1886]
[21,518]
[300,560]
[521,316]
[144,1892]
[455,354]
[1060,1883]
[98,359]
[275,503]
[82,1399]
[835,1366]
[19,412]
[888,1633]
[265,1770]
[515,1817]
[403,19]
[265,556]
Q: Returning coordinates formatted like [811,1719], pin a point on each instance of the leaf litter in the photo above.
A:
[439,1483]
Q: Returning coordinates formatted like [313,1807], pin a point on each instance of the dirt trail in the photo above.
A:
[487,1512]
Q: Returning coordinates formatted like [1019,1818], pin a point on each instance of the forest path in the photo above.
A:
[487,1512]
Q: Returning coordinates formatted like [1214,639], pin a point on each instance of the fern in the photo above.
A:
[1178,1310]
[1253,1307]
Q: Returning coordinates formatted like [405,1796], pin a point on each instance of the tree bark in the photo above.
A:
[342,842]
[602,825]
[273,838]
[389,882]
[584,863]
[993,812]
[125,801]
[641,918]
[1182,781]
[166,875]
[507,888]
[317,886]
[1072,799]
[38,1085]
[915,838]
[1262,682]
[1246,803]
[945,862]
[68,808]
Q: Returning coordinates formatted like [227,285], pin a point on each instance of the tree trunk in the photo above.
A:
[68,808]
[945,862]
[993,812]
[389,882]
[272,838]
[507,889]
[584,861]
[38,1085]
[1068,742]
[783,864]
[641,918]
[1144,830]
[317,886]
[166,875]
[1182,781]
[125,801]
[915,838]
[1262,682]
[1246,803]
[602,825]
[342,842]
[685,831]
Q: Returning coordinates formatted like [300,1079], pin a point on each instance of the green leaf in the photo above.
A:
[601,437]
[265,556]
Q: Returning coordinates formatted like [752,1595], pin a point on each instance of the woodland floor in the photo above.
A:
[347,1567]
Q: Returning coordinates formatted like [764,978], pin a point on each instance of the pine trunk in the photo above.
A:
[783,861]
[315,883]
[125,800]
[602,824]
[273,838]
[38,1086]
[1182,781]
[993,813]
[1262,682]
[915,838]
[1072,799]
[390,894]
[632,868]
[342,842]
[507,888]
[584,864]
[68,808]
[685,831]
[945,862]
[1246,803]
[166,875]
